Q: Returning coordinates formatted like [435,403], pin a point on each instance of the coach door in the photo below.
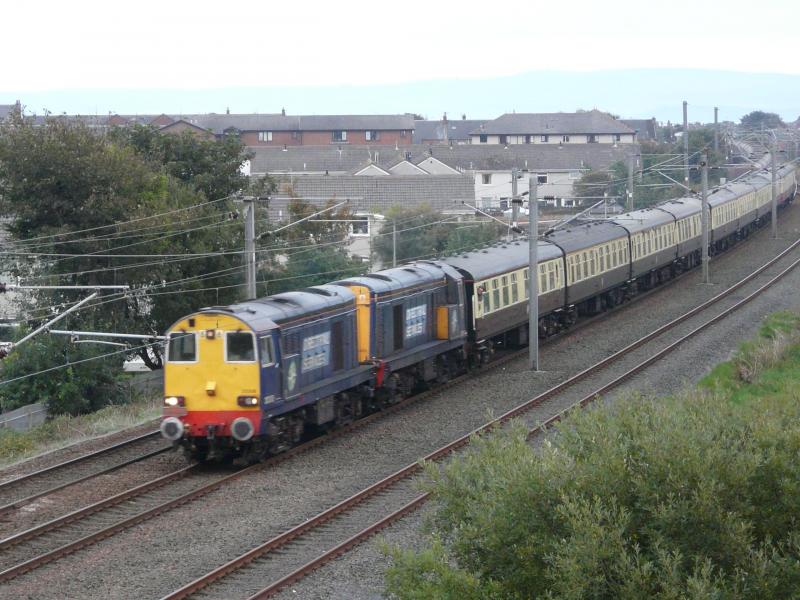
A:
[270,375]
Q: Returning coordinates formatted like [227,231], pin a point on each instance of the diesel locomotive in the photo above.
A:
[252,379]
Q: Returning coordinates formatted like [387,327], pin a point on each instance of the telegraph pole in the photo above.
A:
[704,216]
[250,246]
[515,199]
[716,129]
[533,276]
[394,242]
[772,152]
[630,182]
[685,144]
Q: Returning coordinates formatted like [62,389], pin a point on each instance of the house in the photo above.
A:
[645,128]
[489,167]
[180,126]
[282,130]
[7,110]
[445,131]
[587,127]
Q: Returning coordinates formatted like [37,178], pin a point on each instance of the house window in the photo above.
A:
[295,135]
[486,178]
[403,133]
[339,136]
[264,136]
[541,178]
[360,226]
[565,138]
[483,138]
[617,137]
[592,139]
[503,139]
[544,138]
[527,139]
[372,136]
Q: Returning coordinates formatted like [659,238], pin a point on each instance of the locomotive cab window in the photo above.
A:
[182,347]
[239,347]
[267,354]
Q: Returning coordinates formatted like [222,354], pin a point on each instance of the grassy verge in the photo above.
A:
[65,430]
[765,366]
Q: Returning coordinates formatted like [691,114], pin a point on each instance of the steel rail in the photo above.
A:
[28,499]
[77,459]
[414,468]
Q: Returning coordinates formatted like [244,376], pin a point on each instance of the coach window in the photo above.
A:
[495,294]
[525,284]
[267,353]
[485,297]
[239,347]
[505,291]
[514,290]
[182,347]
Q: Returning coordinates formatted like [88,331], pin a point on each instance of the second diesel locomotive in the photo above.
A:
[253,378]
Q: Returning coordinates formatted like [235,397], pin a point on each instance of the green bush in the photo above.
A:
[78,388]
[690,496]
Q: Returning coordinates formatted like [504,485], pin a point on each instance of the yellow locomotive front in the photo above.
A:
[212,384]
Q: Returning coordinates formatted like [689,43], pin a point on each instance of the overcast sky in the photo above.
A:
[176,44]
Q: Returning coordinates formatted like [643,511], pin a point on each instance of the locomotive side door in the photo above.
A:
[270,374]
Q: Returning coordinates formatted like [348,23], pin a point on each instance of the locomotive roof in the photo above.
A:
[265,313]
[500,258]
[586,235]
[398,278]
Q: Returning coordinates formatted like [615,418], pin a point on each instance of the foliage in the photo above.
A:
[79,388]
[593,186]
[210,166]
[758,119]
[73,193]
[690,496]
[425,233]
[313,251]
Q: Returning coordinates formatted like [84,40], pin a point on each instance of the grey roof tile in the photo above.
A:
[593,121]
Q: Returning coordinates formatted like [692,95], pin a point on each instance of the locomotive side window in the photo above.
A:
[182,347]
[239,347]
[267,354]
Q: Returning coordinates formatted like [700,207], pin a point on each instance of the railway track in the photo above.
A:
[30,549]
[293,554]
[22,490]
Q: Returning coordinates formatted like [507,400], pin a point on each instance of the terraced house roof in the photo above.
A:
[593,121]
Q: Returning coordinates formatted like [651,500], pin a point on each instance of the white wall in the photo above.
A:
[489,195]
[552,138]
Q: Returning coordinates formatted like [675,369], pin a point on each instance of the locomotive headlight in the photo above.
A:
[247,401]
[174,401]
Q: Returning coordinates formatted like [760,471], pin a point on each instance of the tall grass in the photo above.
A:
[66,430]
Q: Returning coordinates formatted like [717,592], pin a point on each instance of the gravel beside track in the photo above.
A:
[74,450]
[162,555]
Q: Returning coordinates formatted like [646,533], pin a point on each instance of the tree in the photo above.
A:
[208,165]
[691,496]
[425,233]
[79,388]
[758,119]
[73,194]
[310,253]
[593,186]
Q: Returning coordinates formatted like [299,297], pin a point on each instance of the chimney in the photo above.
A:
[283,112]
[227,110]
[445,127]
[463,116]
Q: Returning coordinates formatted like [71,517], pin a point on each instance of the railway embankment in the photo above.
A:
[695,493]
